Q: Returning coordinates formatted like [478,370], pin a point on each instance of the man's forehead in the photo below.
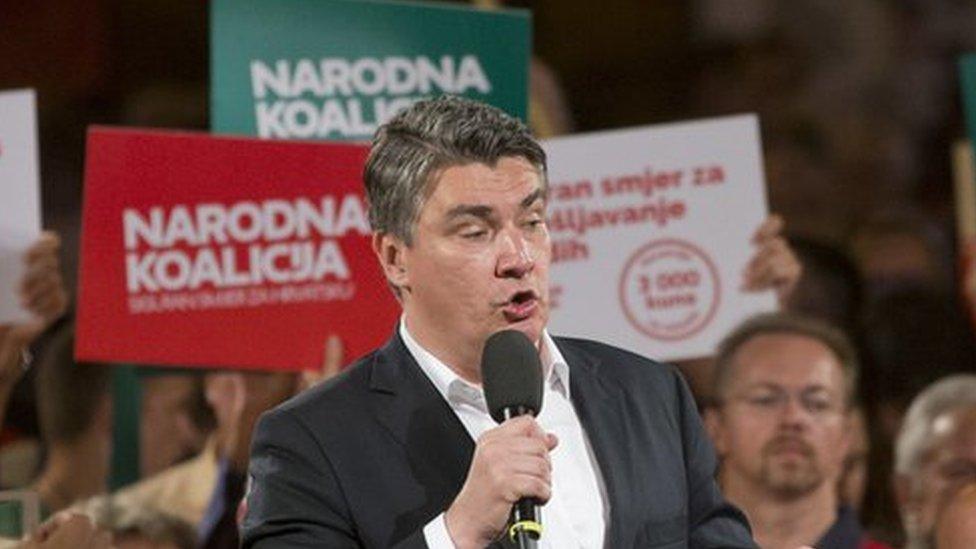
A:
[786,359]
[958,425]
[476,183]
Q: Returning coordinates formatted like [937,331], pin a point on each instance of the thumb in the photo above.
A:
[769,228]
[551,441]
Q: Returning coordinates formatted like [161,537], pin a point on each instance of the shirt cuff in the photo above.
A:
[436,535]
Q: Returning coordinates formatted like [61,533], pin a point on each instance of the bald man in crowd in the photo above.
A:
[935,455]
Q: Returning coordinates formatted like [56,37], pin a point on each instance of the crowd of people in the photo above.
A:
[846,420]
[865,369]
[195,433]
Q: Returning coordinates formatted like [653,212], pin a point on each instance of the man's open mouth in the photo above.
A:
[522,305]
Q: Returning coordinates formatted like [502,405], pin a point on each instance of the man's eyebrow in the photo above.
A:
[485,212]
[476,210]
[762,385]
[532,197]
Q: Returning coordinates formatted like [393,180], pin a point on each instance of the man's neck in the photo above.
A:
[779,523]
[464,359]
[458,355]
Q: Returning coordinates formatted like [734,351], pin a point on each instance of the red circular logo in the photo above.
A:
[669,289]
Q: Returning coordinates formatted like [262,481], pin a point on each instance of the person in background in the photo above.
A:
[41,292]
[935,455]
[102,523]
[912,337]
[219,407]
[226,506]
[175,418]
[783,387]
[75,413]
[66,531]
[773,266]
[134,526]
[956,528]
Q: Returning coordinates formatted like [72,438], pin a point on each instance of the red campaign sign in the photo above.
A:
[225,252]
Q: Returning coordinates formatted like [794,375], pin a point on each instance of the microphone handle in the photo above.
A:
[515,411]
[526,526]
[523,541]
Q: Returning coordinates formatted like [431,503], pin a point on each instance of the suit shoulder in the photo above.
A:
[340,396]
[614,362]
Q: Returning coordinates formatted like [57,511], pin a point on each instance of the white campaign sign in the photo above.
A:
[651,232]
[20,215]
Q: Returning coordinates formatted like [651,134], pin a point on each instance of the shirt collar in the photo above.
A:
[457,391]
[554,365]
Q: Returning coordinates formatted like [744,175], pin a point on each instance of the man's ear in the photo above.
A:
[389,251]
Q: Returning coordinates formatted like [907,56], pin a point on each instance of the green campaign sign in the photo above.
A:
[967,76]
[336,69]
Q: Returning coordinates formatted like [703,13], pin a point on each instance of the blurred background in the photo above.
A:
[859,100]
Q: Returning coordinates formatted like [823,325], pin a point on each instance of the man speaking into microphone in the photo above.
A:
[401,450]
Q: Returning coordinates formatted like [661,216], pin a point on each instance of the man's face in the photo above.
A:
[479,260]
[781,425]
[948,466]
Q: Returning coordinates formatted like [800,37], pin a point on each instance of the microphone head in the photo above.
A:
[511,374]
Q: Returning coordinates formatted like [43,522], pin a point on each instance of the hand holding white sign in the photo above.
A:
[773,265]
[655,246]
[20,213]
[41,291]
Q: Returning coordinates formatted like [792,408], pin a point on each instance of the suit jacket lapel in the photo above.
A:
[438,447]
[599,407]
[437,444]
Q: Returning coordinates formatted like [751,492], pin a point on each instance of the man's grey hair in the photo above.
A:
[790,324]
[957,392]
[410,150]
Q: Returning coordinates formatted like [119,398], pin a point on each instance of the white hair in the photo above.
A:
[947,395]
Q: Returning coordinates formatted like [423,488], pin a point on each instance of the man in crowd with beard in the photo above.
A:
[783,388]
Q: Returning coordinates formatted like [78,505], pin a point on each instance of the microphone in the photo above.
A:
[511,375]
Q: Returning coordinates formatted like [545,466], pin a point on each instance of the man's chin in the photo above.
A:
[792,484]
[532,328]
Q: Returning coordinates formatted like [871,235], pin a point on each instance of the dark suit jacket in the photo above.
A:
[369,458]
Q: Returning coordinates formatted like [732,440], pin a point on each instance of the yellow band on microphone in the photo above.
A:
[532,527]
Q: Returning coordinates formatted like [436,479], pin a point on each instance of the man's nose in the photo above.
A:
[793,414]
[514,255]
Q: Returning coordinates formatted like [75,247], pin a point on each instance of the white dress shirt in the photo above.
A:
[577,513]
